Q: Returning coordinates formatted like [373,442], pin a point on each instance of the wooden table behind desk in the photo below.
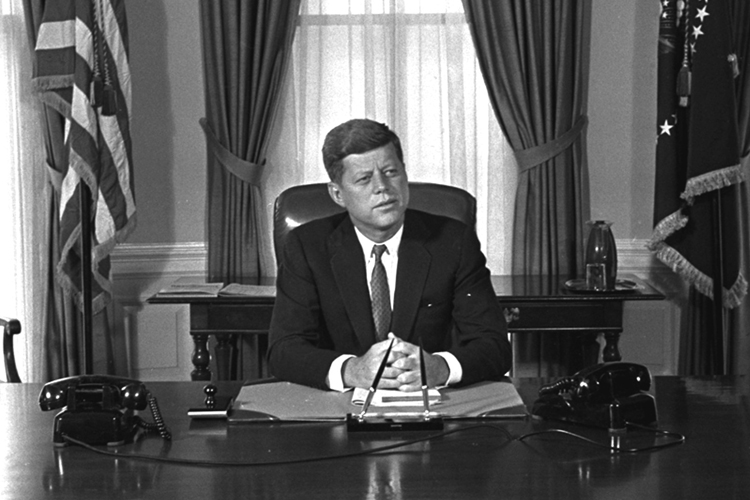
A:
[536,303]
[474,463]
[226,318]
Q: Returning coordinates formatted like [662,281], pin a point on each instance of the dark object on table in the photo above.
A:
[99,409]
[214,406]
[608,395]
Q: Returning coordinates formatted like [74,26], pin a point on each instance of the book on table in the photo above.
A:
[190,287]
[241,290]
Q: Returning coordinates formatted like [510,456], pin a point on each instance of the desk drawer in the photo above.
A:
[598,316]
[227,318]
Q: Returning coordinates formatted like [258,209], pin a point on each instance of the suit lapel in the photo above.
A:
[348,267]
[413,267]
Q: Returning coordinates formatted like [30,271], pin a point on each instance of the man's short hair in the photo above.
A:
[356,136]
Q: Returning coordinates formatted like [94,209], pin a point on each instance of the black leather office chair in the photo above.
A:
[300,204]
[10,327]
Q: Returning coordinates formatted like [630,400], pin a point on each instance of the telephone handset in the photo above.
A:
[99,409]
[605,395]
[603,383]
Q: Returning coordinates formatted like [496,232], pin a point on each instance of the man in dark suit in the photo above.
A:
[351,283]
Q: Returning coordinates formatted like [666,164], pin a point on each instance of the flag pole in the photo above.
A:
[85,197]
[717,339]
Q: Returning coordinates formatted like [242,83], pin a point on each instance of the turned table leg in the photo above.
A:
[224,352]
[201,358]
[611,351]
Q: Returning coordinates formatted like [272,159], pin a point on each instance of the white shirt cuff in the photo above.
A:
[455,372]
[335,379]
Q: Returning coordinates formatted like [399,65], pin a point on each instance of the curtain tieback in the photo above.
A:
[244,170]
[531,157]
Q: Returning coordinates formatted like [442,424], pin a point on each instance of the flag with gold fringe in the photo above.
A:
[82,70]
[697,151]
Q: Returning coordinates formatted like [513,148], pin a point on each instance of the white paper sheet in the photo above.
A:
[389,397]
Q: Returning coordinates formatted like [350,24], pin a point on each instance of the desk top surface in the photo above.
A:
[473,462]
[518,288]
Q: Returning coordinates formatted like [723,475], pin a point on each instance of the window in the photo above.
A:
[410,64]
[22,187]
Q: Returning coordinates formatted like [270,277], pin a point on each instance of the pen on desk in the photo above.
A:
[403,415]
[425,396]
[375,382]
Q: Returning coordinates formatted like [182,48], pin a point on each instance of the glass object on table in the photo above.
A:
[601,256]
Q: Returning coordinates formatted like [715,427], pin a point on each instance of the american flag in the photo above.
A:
[82,71]
[697,152]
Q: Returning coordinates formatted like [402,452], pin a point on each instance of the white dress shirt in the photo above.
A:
[390,262]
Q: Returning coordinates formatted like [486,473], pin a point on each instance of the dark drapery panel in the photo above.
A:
[739,318]
[533,62]
[61,339]
[698,170]
[246,46]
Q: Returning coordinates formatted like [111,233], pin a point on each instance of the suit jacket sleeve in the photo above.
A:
[299,350]
[481,344]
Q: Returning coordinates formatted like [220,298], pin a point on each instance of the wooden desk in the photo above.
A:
[711,412]
[531,303]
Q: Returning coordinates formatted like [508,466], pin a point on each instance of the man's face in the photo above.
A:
[374,190]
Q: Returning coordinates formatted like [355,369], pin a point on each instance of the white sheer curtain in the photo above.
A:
[23,194]
[410,64]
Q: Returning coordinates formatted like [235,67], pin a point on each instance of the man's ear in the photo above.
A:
[334,191]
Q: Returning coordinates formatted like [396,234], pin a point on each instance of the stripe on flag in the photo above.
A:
[79,40]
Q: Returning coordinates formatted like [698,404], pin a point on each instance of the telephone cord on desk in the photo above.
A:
[562,385]
[158,424]
[679,439]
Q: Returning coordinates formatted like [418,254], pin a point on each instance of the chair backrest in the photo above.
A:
[300,204]
[10,327]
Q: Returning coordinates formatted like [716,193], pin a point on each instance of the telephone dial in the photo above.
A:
[609,395]
[99,409]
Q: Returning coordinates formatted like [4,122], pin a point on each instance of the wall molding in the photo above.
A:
[633,256]
[154,260]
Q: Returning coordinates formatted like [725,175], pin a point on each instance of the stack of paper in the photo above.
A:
[293,402]
[389,397]
[237,289]
[187,287]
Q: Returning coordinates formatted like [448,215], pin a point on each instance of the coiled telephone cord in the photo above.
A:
[158,425]
[562,385]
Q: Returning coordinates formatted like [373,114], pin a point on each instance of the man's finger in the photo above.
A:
[406,363]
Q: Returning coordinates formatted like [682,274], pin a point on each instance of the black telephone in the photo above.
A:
[99,409]
[604,395]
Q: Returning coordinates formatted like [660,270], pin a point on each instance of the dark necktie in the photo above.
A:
[381,297]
